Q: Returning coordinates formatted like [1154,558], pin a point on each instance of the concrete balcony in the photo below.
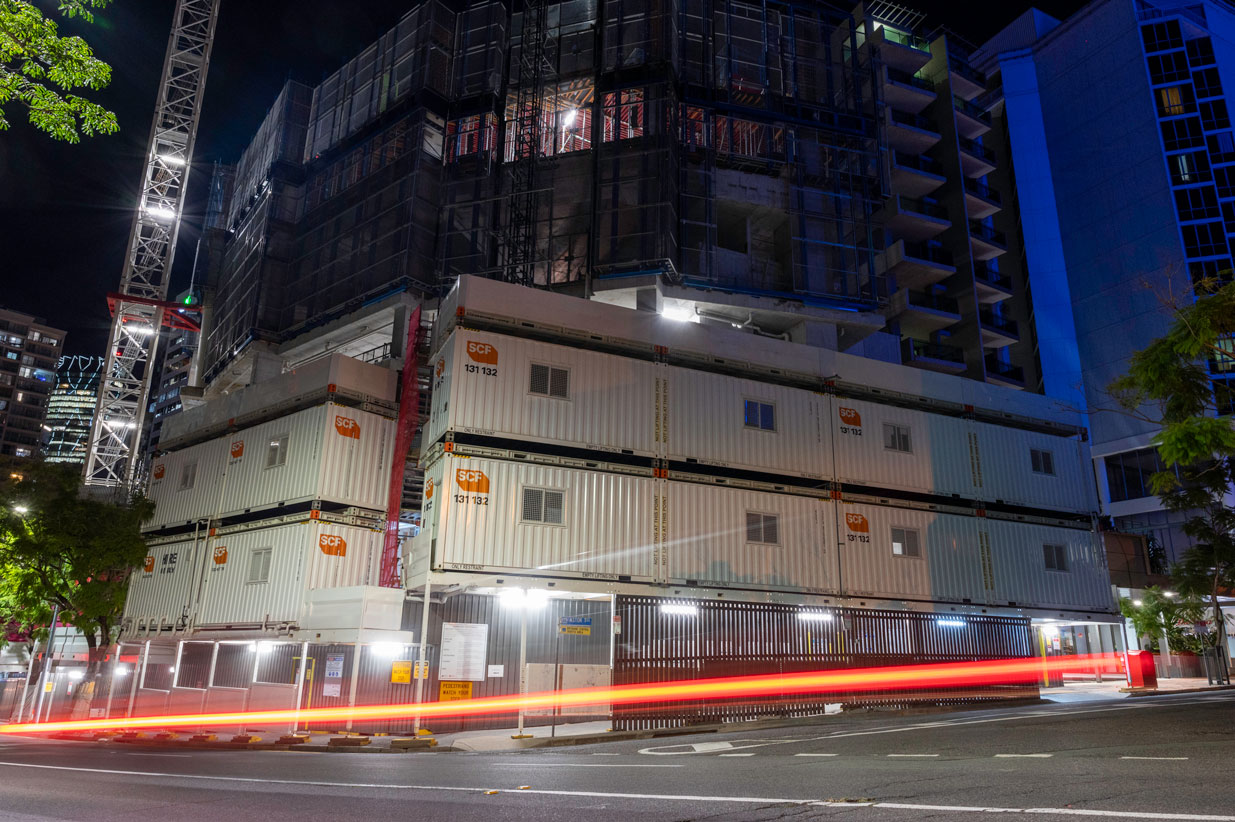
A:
[967,81]
[986,242]
[915,175]
[971,120]
[911,133]
[914,219]
[980,199]
[899,50]
[917,265]
[997,331]
[907,92]
[1002,373]
[992,286]
[976,159]
[932,356]
[921,314]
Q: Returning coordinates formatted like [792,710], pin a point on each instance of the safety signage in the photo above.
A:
[334,666]
[578,626]
[454,691]
[401,671]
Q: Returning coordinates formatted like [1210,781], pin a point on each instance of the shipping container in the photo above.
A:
[331,453]
[544,520]
[1074,575]
[1034,470]
[499,386]
[250,576]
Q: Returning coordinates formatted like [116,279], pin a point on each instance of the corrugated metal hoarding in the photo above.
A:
[330,452]
[251,576]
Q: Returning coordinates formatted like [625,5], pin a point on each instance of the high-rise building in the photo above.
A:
[1120,136]
[29,351]
[177,353]
[790,169]
[70,409]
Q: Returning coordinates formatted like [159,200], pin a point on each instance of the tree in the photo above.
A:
[1169,383]
[60,548]
[39,69]
[1155,614]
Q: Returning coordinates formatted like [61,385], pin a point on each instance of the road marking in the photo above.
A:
[761,800]
[737,754]
[606,754]
[574,765]
[1159,758]
[816,754]
[1023,756]
[912,756]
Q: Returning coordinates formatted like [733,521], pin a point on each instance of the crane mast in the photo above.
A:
[140,308]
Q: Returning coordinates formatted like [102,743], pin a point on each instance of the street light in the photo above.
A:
[21,510]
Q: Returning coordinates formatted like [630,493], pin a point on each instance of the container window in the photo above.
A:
[1043,462]
[548,381]
[259,566]
[188,476]
[759,415]
[544,505]
[276,452]
[1055,557]
[905,543]
[896,438]
[762,528]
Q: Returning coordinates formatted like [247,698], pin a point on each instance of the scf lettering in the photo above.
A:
[332,545]
[482,352]
[347,427]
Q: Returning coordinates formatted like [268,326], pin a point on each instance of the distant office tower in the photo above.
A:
[789,169]
[70,410]
[177,351]
[29,350]
[1121,140]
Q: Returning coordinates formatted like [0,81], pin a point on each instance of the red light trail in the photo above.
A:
[898,678]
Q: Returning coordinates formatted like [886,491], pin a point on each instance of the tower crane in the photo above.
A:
[140,308]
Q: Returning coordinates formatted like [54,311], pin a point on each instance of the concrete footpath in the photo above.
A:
[1113,688]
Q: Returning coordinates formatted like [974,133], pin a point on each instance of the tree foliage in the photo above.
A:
[60,548]
[1155,614]
[1169,383]
[41,70]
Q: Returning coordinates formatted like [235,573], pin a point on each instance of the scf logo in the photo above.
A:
[332,545]
[472,480]
[237,449]
[159,471]
[441,367]
[850,416]
[148,565]
[429,489]
[347,427]
[220,555]
[858,523]
[482,352]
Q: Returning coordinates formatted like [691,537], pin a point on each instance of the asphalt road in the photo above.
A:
[1168,757]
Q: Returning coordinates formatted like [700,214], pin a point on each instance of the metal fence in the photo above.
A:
[664,640]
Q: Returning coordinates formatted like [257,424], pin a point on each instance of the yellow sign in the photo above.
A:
[453,691]
[50,686]
[578,630]
[421,671]
[401,671]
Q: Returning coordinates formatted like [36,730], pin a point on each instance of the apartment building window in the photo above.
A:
[188,476]
[276,451]
[1224,397]
[1162,36]
[759,415]
[1182,133]
[1207,83]
[1224,179]
[1042,462]
[896,438]
[1221,147]
[1214,115]
[544,505]
[12,355]
[1128,474]
[1204,240]
[1171,67]
[1176,100]
[1208,274]
[1196,203]
[1055,557]
[548,381]
[906,543]
[259,566]
[763,529]
[1200,52]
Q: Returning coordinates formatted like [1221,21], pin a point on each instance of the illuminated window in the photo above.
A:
[276,452]
[1171,101]
[259,566]
[906,543]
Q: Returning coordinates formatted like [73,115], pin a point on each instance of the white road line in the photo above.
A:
[1158,758]
[1023,756]
[737,754]
[757,800]
[816,754]
[576,764]
[912,756]
[605,754]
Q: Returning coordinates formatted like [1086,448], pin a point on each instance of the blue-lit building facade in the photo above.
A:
[70,409]
[1124,157]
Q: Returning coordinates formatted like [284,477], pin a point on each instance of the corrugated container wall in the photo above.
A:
[330,452]
[241,584]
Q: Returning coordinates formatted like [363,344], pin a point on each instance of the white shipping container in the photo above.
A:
[1021,572]
[484,384]
[1011,472]
[476,518]
[330,452]
[737,538]
[255,576]
[719,420]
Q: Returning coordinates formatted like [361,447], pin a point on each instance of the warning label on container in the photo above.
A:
[453,691]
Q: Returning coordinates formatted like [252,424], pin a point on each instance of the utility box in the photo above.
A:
[1141,671]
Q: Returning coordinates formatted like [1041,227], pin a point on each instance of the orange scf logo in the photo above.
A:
[148,565]
[237,449]
[220,555]
[429,489]
[472,480]
[441,367]
[332,545]
[159,471]
[849,416]
[858,523]
[482,352]
[347,427]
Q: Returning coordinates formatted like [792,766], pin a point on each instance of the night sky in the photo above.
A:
[65,210]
